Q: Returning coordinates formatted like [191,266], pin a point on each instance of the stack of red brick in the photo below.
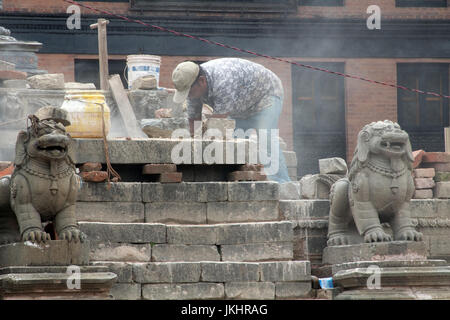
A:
[431,175]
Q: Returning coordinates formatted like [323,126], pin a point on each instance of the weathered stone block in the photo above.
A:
[187,253]
[163,127]
[119,191]
[156,272]
[242,211]
[333,166]
[257,251]
[185,192]
[285,271]
[304,209]
[247,191]
[126,291]
[183,291]
[254,232]
[423,194]
[250,290]
[120,252]
[79,86]
[424,173]
[170,177]
[395,250]
[178,212]
[290,290]
[229,271]
[442,190]
[424,183]
[144,83]
[48,81]
[442,176]
[124,271]
[290,190]
[246,176]
[312,188]
[125,232]
[190,234]
[220,124]
[53,253]
[429,208]
[110,211]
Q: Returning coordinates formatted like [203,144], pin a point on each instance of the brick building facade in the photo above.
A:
[322,113]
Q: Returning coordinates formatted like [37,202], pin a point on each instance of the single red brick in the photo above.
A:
[94,176]
[91,166]
[246,176]
[424,183]
[159,168]
[5,164]
[7,171]
[12,74]
[441,157]
[418,155]
[424,173]
[170,177]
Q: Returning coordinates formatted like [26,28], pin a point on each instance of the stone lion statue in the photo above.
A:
[378,189]
[43,186]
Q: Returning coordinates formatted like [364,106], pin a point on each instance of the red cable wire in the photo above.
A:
[255,53]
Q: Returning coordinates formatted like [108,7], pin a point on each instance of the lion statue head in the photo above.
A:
[383,138]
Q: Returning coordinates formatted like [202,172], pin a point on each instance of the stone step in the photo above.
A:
[183,203]
[211,280]
[217,234]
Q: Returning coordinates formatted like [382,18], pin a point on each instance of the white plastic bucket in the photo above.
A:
[140,65]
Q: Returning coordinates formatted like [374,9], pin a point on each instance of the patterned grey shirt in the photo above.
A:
[236,86]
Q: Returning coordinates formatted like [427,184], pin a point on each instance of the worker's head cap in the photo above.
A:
[183,77]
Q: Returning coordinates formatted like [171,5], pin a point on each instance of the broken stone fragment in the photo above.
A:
[51,81]
[221,124]
[317,186]
[144,83]
[79,86]
[91,166]
[333,166]
[163,113]
[163,128]
[94,176]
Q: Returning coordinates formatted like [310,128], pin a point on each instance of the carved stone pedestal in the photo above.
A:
[387,271]
[55,270]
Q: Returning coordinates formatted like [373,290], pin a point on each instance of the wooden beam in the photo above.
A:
[447,139]
[125,108]
[102,52]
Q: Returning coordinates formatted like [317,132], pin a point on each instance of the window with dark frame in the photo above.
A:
[318,115]
[421,3]
[423,116]
[216,5]
[87,70]
[322,3]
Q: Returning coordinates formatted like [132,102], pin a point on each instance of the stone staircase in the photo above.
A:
[194,240]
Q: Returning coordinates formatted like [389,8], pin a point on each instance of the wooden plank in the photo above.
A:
[447,139]
[102,52]
[125,108]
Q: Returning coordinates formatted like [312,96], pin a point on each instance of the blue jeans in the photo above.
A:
[268,119]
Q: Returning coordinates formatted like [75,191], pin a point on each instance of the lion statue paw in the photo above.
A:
[338,240]
[72,234]
[376,235]
[36,235]
[409,235]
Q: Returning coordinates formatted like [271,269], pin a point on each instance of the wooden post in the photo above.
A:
[447,139]
[102,52]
